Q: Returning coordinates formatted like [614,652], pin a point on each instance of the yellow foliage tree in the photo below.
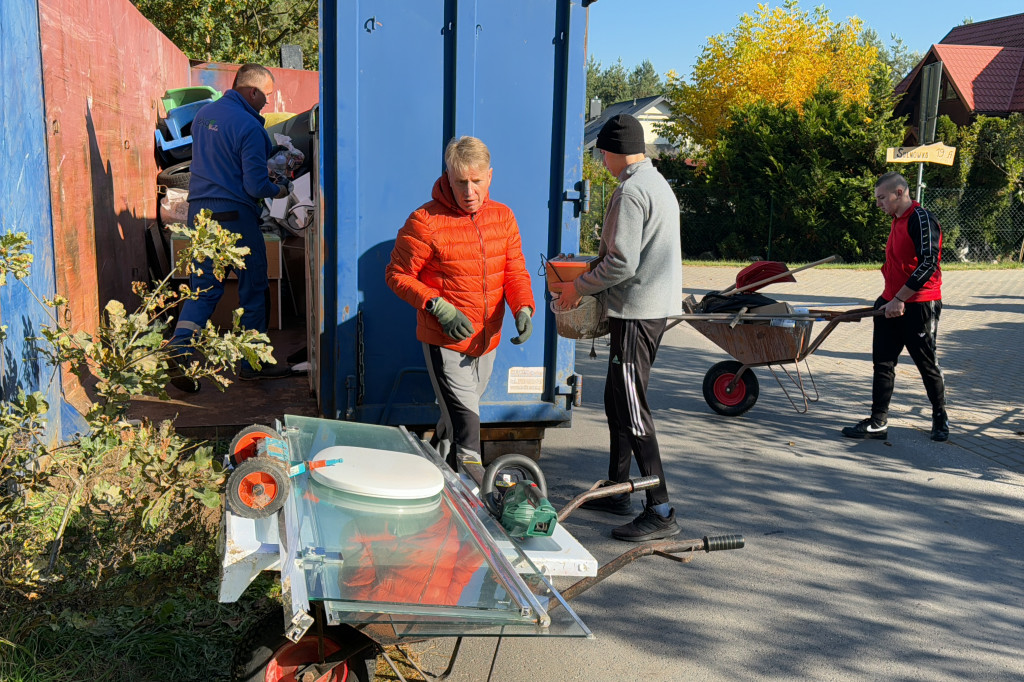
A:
[780,56]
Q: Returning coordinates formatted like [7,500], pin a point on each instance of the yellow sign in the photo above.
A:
[929,153]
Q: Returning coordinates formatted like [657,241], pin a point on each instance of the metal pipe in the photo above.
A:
[602,489]
[663,548]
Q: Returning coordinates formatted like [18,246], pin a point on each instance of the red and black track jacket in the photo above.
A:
[913,255]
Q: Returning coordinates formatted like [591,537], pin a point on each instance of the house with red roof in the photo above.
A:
[982,73]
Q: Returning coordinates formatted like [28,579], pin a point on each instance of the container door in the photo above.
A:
[383,119]
[398,84]
[519,88]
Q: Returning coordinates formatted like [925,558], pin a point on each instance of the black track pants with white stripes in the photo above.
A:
[917,331]
[630,425]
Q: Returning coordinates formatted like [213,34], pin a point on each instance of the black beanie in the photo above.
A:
[622,134]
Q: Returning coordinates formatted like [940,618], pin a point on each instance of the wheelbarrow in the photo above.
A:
[359,571]
[777,337]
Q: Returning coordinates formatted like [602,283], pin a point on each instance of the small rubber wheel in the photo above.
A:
[266,655]
[257,488]
[177,176]
[716,389]
[243,446]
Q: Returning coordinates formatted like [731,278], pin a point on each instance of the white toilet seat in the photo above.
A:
[378,473]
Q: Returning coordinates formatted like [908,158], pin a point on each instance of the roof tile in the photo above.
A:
[987,78]
[1001,32]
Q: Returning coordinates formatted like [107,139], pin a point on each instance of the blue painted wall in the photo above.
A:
[25,207]
[398,81]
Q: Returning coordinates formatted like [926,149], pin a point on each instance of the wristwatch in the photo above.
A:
[429,307]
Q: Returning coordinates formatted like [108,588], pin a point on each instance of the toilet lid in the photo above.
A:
[378,473]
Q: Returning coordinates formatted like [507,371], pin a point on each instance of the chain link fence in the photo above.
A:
[979,225]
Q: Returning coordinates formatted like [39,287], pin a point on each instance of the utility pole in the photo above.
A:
[931,81]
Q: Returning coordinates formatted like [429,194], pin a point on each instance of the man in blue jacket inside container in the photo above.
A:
[230,148]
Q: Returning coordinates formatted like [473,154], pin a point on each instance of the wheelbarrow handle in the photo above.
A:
[644,482]
[606,489]
[858,314]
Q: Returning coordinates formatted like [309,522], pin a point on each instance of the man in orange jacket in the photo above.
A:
[457,260]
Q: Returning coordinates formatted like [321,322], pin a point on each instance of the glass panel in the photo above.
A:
[437,566]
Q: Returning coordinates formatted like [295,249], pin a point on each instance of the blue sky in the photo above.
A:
[671,33]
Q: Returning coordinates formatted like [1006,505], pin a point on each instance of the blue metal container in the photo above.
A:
[400,79]
[25,207]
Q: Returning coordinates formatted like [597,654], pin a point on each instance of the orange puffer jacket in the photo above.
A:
[475,262]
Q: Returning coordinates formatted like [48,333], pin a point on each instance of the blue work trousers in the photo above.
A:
[253,284]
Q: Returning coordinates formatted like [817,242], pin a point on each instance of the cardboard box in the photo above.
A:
[564,268]
[272,241]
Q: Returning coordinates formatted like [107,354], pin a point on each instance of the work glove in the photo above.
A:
[524,325]
[453,322]
[283,190]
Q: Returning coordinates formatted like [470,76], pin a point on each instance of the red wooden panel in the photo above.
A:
[104,69]
[295,91]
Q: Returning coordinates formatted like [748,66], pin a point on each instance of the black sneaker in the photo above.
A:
[620,505]
[867,428]
[265,372]
[179,379]
[648,526]
[940,428]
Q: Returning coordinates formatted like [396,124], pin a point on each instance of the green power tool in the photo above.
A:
[527,513]
[523,508]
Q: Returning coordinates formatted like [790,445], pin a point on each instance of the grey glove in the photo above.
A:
[524,325]
[283,191]
[453,322]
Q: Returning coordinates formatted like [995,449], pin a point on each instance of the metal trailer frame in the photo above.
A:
[250,546]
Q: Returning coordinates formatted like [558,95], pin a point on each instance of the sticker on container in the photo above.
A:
[525,379]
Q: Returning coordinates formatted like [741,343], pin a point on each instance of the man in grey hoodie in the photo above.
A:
[640,274]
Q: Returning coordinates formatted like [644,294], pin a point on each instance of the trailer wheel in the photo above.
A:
[177,176]
[716,389]
[243,446]
[266,655]
[257,488]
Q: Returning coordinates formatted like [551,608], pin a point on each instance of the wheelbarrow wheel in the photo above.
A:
[266,655]
[257,488]
[716,389]
[243,446]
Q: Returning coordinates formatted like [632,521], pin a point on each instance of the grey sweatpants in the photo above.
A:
[459,381]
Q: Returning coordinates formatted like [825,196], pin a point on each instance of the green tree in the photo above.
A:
[996,178]
[237,31]
[602,184]
[616,84]
[897,58]
[798,182]
[611,85]
[644,81]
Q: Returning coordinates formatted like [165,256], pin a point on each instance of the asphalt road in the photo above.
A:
[895,560]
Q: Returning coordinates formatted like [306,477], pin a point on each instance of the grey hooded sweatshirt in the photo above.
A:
[640,266]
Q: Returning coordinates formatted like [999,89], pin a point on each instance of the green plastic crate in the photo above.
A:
[179,96]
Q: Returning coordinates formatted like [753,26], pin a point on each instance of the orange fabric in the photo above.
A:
[475,262]
[431,567]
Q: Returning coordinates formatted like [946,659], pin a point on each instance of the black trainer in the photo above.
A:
[940,428]
[648,526]
[621,505]
[179,379]
[867,428]
[265,372]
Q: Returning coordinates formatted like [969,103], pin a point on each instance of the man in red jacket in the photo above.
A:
[912,301]
[457,260]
